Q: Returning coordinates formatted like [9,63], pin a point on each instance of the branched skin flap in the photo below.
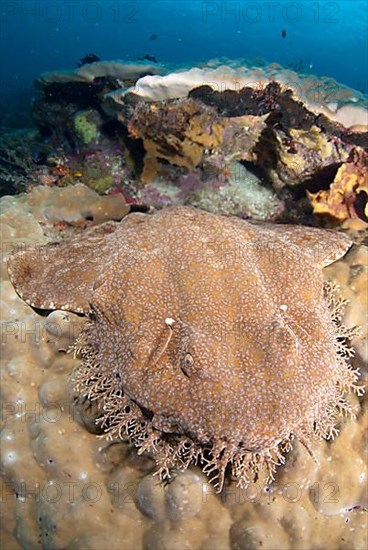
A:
[209,338]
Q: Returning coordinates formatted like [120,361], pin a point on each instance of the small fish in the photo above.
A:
[88,58]
[153,36]
[148,57]
[283,33]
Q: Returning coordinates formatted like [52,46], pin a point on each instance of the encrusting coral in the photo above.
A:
[191,354]
[348,194]
[177,132]
[294,131]
[268,127]
[85,127]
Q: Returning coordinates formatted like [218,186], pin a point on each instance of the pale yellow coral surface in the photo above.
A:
[341,200]
[63,487]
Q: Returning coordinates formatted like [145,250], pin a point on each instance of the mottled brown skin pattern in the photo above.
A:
[209,337]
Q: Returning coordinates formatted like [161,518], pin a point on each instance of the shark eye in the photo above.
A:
[188,360]
[187,365]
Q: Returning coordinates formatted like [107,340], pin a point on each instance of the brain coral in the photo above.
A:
[209,338]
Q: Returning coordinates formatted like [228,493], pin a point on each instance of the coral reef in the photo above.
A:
[240,192]
[260,142]
[176,132]
[244,194]
[293,132]
[27,159]
[105,169]
[17,168]
[63,93]
[55,471]
[321,95]
[291,145]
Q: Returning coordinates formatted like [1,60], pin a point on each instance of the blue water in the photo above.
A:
[322,37]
